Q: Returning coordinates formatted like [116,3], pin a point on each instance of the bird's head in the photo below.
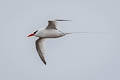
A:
[33,34]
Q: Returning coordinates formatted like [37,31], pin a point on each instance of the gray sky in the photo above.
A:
[93,56]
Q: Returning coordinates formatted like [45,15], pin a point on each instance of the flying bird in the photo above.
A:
[50,31]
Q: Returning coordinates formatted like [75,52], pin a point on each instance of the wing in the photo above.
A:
[39,48]
[51,25]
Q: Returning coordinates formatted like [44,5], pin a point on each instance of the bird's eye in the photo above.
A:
[35,32]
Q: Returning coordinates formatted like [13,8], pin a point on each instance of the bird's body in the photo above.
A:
[49,33]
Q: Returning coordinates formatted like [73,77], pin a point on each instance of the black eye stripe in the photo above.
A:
[35,32]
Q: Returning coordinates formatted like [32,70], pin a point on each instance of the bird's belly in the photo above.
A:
[52,34]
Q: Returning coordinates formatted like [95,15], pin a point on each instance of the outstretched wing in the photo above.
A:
[52,23]
[39,48]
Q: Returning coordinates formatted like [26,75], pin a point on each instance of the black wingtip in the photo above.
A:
[62,20]
[44,62]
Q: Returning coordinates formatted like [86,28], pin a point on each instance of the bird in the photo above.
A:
[50,31]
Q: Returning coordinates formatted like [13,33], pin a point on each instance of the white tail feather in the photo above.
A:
[88,32]
[76,32]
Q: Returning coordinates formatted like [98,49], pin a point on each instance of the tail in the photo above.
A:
[76,32]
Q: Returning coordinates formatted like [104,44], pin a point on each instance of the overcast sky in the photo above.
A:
[91,56]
